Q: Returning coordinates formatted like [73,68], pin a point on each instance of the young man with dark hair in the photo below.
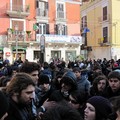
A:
[82,82]
[68,84]
[62,112]
[114,84]
[20,92]
[32,69]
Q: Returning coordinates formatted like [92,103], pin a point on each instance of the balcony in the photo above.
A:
[103,42]
[60,16]
[104,18]
[18,11]
[12,34]
[41,12]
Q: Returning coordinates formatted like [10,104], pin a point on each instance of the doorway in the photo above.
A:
[56,54]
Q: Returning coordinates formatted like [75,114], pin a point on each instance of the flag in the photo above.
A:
[86,30]
[35,27]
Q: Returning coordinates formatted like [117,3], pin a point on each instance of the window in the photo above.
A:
[42,8]
[20,24]
[17,5]
[20,33]
[70,55]
[83,27]
[61,29]
[43,28]
[84,22]
[56,54]
[105,13]
[60,10]
[105,34]
[36,55]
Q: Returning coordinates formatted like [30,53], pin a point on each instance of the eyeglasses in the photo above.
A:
[74,102]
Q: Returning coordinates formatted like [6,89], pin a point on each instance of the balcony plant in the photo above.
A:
[27,8]
[10,30]
[28,33]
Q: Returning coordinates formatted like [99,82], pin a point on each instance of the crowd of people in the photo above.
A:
[79,90]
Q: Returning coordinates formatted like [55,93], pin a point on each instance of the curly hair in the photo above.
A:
[18,83]
[29,67]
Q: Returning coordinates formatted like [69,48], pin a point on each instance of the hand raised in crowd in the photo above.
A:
[49,104]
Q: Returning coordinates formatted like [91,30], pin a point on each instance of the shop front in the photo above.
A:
[55,54]
[21,53]
[70,55]
[61,47]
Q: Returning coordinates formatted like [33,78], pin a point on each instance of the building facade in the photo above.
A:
[24,22]
[100,27]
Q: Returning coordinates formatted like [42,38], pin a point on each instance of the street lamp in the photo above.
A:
[16,40]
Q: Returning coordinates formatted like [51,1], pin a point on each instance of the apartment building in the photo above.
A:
[101,19]
[16,32]
[25,23]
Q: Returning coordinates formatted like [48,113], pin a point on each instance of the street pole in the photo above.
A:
[16,41]
[16,46]
[42,48]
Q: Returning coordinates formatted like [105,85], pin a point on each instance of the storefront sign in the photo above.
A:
[7,53]
[61,39]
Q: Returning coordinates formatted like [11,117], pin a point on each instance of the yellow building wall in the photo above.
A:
[95,26]
[93,11]
[116,23]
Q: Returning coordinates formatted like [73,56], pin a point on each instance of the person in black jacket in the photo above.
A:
[61,112]
[114,85]
[20,93]
[3,106]
[68,83]
[46,88]
[100,84]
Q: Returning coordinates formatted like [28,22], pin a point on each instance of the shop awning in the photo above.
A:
[1,48]
[19,48]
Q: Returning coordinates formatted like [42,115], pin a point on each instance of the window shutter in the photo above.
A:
[47,6]
[47,28]
[56,29]
[65,30]
[37,4]
[37,32]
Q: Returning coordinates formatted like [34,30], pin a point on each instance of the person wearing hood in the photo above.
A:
[68,84]
[82,82]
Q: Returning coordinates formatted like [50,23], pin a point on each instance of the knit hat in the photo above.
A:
[43,79]
[3,104]
[102,106]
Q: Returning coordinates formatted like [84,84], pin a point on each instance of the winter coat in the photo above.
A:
[109,93]
[17,112]
[83,85]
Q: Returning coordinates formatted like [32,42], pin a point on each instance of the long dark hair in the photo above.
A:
[19,82]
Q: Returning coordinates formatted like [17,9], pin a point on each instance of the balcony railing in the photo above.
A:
[41,12]
[12,34]
[103,42]
[18,11]
[104,18]
[60,15]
